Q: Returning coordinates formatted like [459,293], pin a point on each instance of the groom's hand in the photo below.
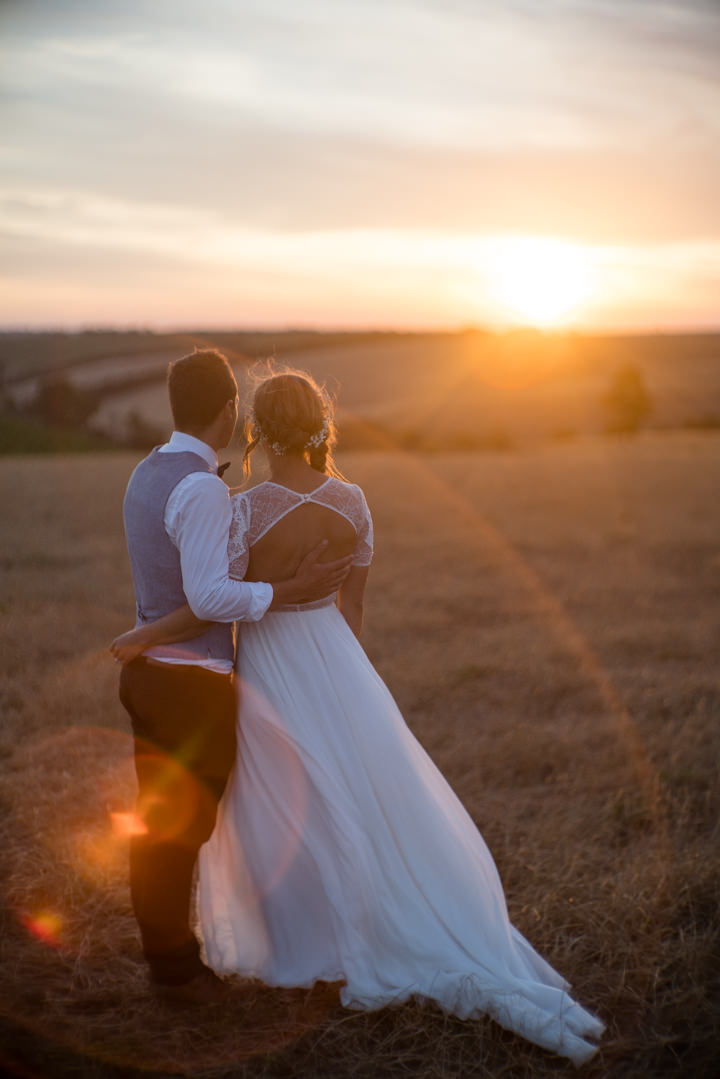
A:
[128,646]
[313,579]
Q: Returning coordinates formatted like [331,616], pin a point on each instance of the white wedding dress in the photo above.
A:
[340,852]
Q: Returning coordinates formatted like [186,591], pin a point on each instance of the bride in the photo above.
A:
[340,852]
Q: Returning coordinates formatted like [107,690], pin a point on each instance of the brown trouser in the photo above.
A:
[183,721]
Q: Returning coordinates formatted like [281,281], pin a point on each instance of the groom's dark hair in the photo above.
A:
[199,385]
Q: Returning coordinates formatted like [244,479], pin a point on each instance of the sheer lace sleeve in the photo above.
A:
[238,544]
[363,553]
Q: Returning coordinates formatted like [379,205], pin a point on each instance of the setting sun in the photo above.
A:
[540,279]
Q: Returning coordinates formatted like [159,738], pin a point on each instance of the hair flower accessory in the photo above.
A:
[258,435]
[319,437]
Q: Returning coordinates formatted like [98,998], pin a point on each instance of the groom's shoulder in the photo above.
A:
[184,462]
[159,471]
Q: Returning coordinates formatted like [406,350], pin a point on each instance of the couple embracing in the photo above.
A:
[328,845]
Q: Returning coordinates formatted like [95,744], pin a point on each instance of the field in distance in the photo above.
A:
[438,391]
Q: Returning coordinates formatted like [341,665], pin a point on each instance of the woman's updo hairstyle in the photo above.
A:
[292,415]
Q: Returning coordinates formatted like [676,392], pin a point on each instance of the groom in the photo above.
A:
[181,698]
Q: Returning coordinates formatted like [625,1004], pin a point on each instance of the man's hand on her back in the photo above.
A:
[313,579]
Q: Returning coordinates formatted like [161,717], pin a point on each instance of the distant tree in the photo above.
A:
[61,403]
[627,401]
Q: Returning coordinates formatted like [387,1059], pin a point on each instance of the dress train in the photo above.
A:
[342,854]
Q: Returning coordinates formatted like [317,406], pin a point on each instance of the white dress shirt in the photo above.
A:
[197,520]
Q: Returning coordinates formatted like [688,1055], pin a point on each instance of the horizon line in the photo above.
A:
[691,330]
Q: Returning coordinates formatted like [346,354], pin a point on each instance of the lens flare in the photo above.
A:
[45,925]
[125,825]
[173,797]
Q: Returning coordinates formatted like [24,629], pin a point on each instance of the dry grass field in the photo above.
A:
[549,622]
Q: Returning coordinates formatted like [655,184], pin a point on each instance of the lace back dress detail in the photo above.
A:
[256,511]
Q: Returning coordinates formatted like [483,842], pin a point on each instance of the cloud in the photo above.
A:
[158,125]
[299,182]
[548,75]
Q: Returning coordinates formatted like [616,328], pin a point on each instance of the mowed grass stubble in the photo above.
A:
[548,622]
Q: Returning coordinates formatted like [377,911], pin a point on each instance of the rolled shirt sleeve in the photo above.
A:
[197,520]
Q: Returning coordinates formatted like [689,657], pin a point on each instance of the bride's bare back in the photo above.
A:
[277,555]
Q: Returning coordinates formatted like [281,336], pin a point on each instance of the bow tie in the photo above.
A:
[222,469]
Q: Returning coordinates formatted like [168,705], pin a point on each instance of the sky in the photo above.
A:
[360,163]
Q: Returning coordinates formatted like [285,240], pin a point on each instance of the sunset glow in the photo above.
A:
[541,280]
[169,165]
